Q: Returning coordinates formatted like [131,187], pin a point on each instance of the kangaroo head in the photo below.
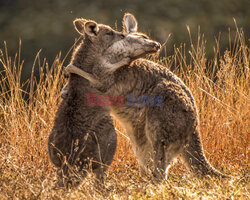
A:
[96,43]
[100,36]
[135,44]
[139,43]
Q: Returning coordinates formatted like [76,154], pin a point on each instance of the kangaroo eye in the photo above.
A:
[110,33]
[145,37]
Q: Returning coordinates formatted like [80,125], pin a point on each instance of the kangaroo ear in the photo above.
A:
[129,23]
[91,28]
[79,25]
[85,26]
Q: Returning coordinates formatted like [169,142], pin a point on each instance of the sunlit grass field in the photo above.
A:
[221,90]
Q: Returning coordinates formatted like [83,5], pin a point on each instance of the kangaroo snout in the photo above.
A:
[157,46]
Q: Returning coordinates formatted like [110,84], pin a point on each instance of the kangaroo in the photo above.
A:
[158,131]
[83,137]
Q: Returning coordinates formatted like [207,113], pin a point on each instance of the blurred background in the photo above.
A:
[47,24]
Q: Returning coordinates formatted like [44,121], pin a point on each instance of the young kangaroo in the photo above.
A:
[163,119]
[83,137]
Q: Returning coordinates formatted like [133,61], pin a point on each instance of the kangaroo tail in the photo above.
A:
[193,156]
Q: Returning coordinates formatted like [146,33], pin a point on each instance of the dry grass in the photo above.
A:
[221,90]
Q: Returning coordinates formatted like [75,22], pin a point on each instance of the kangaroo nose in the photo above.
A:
[157,46]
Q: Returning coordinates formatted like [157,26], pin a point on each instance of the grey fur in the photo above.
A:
[157,133]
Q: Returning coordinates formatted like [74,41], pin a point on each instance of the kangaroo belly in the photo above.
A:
[125,118]
[133,123]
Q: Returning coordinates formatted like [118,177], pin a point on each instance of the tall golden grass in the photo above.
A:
[220,87]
